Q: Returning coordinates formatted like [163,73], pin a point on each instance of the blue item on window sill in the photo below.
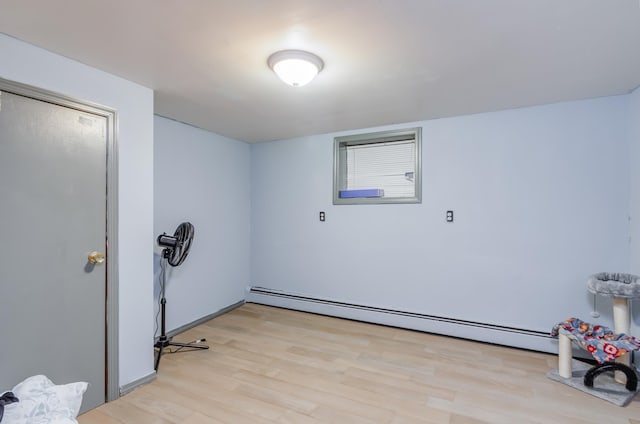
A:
[350,194]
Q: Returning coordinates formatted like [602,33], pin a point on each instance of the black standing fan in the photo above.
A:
[176,249]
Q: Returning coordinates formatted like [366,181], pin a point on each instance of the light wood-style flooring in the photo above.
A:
[271,365]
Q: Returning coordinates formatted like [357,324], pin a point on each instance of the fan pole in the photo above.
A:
[163,340]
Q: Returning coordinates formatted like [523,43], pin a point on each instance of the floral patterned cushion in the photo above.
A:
[603,344]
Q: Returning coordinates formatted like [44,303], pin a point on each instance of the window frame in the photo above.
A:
[372,138]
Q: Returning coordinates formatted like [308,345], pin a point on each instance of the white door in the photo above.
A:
[53,197]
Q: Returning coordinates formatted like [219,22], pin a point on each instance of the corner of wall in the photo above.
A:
[634,174]
[634,204]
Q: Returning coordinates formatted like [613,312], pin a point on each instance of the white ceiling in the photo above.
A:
[386,61]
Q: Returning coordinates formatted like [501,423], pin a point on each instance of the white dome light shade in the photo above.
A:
[295,67]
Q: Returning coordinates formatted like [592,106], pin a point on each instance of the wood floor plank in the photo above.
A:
[96,416]
[125,412]
[332,395]
[198,418]
[269,365]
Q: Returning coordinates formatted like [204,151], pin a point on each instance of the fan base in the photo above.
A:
[164,342]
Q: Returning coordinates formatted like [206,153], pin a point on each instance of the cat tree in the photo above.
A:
[611,349]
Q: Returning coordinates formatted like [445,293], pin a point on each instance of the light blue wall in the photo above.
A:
[203,178]
[541,197]
[27,64]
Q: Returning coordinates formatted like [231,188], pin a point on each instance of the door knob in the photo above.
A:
[96,258]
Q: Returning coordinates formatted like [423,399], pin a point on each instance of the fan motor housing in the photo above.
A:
[167,240]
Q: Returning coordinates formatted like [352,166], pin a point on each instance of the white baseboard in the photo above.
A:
[514,337]
[129,387]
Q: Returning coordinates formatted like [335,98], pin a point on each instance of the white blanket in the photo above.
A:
[42,402]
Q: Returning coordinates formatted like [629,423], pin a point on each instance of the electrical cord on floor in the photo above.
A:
[182,348]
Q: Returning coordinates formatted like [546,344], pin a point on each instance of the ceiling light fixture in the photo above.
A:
[295,67]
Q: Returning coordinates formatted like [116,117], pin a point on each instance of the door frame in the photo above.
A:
[112,391]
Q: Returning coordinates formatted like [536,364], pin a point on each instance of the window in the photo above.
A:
[380,167]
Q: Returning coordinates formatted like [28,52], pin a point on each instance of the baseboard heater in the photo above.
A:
[492,333]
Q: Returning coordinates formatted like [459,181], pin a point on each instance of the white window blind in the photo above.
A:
[387,166]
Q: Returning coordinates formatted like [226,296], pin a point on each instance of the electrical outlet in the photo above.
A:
[321,216]
[449,216]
